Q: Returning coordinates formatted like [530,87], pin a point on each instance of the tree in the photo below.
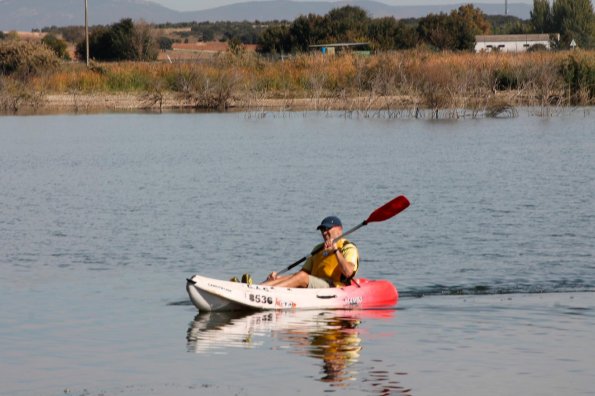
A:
[521,27]
[474,18]
[305,31]
[121,36]
[346,24]
[246,32]
[57,45]
[275,39]
[73,34]
[99,45]
[144,44]
[121,41]
[208,35]
[541,16]
[455,31]
[574,20]
[435,30]
[504,24]
[165,43]
[407,36]
[382,32]
[468,22]
[389,34]
[236,47]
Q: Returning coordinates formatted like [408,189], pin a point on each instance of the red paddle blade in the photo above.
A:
[389,209]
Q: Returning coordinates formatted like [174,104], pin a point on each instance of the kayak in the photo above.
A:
[213,295]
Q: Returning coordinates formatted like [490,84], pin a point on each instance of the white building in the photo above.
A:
[511,42]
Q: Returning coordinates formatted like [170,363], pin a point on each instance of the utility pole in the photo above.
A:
[87,30]
[505,7]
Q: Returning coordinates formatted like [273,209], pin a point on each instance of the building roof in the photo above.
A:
[512,37]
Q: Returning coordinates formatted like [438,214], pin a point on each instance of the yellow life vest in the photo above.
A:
[326,266]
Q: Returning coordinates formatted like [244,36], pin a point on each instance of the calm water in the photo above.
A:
[102,217]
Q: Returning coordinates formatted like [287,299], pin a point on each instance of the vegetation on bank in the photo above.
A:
[414,82]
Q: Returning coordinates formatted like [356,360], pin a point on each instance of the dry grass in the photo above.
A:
[420,83]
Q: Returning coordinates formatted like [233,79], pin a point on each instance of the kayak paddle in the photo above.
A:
[385,212]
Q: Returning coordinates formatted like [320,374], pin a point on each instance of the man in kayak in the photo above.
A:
[335,265]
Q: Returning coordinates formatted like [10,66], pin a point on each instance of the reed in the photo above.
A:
[16,94]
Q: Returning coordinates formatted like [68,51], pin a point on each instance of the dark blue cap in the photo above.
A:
[329,222]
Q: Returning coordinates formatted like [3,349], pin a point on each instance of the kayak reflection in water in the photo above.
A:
[329,336]
[332,263]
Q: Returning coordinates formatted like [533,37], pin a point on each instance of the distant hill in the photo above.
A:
[289,10]
[36,14]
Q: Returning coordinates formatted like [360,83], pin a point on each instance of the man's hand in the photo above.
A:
[272,276]
[329,247]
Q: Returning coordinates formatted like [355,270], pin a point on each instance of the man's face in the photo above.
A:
[331,233]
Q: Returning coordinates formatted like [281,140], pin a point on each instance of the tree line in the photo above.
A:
[455,31]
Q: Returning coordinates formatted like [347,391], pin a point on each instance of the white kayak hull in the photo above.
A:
[210,295]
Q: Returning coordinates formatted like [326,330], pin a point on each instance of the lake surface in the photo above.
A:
[103,217]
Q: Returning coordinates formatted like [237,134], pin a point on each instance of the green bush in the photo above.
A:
[26,58]
[505,79]
[57,45]
[165,43]
[537,48]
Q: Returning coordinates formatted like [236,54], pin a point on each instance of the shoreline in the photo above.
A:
[403,106]
[172,101]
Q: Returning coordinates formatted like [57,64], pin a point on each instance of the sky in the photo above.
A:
[195,5]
